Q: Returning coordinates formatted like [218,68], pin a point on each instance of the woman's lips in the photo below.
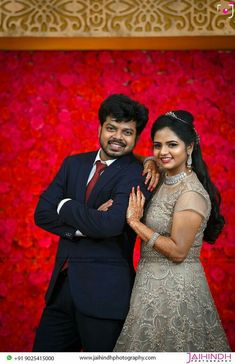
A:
[165,160]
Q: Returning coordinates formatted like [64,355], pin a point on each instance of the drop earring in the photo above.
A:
[189,162]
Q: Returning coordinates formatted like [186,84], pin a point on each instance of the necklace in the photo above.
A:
[171,180]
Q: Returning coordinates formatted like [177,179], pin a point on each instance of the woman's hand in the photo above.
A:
[152,174]
[105,206]
[135,208]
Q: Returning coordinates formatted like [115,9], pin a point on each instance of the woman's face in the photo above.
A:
[170,151]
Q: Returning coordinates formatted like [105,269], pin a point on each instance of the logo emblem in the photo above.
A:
[226,8]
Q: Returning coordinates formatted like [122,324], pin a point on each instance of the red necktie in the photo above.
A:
[99,168]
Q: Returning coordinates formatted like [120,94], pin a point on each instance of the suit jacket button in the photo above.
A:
[68,235]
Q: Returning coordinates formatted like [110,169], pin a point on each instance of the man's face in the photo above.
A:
[117,138]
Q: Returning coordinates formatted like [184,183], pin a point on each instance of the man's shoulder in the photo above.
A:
[133,163]
[131,167]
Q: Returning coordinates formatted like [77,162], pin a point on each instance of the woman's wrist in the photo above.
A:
[151,242]
[133,222]
[150,158]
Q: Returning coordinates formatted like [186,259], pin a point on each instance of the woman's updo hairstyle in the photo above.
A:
[181,123]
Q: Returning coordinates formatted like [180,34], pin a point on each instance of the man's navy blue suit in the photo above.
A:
[100,272]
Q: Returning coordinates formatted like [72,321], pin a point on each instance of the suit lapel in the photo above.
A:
[84,171]
[108,174]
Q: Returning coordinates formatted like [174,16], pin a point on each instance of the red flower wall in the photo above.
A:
[49,103]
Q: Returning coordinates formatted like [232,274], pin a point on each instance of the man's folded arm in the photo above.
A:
[45,215]
[101,224]
[77,219]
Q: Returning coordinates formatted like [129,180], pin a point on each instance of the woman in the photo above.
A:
[171,306]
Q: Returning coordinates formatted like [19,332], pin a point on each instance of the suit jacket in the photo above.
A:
[101,272]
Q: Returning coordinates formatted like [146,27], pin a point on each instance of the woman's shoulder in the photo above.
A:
[192,183]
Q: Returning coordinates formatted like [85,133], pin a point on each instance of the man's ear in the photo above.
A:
[99,131]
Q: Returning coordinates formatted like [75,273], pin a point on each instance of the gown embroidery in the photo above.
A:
[171,307]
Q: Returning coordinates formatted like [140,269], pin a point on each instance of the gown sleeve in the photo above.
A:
[193,201]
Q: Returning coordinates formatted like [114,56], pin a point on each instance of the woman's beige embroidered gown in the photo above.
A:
[171,305]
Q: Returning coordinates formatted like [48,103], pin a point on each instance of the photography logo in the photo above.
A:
[195,358]
[226,8]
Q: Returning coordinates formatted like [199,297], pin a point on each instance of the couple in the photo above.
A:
[95,204]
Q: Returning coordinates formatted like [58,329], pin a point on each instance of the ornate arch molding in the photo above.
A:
[116,24]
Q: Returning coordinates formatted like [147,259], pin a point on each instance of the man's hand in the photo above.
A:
[105,206]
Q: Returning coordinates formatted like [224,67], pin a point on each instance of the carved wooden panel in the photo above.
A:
[115,18]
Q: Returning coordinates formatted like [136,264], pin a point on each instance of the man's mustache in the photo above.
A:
[117,141]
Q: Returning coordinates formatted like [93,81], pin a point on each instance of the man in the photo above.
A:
[88,295]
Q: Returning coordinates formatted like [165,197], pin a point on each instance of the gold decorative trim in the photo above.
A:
[114,18]
[160,43]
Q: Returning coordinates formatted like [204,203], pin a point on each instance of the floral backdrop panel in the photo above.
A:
[49,103]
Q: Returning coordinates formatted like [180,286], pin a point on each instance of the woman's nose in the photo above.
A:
[164,150]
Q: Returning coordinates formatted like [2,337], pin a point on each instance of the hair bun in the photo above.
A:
[184,116]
